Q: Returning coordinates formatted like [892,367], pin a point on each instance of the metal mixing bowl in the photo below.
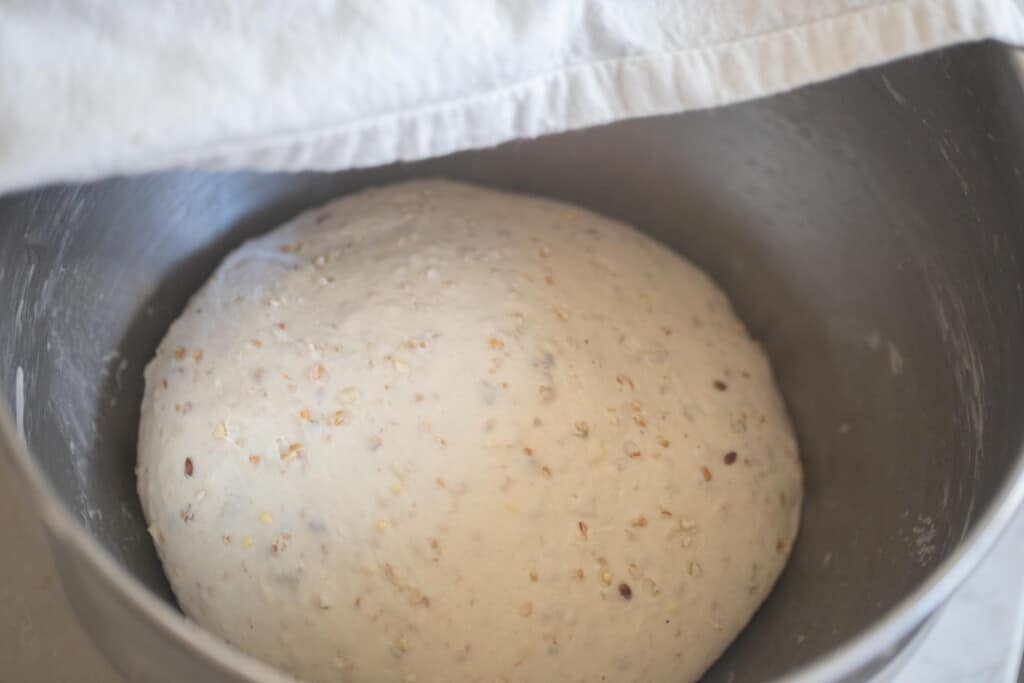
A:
[870,231]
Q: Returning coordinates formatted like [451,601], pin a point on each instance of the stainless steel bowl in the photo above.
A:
[869,230]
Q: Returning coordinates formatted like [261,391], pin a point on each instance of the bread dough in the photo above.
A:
[433,432]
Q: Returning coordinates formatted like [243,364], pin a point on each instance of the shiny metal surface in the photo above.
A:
[870,232]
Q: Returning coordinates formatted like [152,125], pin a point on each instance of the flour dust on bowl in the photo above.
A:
[866,231]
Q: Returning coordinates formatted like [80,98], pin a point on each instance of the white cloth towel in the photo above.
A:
[91,88]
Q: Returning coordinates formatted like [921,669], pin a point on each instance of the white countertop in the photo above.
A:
[978,637]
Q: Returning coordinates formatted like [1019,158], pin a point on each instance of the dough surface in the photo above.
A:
[433,432]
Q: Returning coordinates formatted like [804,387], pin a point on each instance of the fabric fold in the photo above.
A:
[97,89]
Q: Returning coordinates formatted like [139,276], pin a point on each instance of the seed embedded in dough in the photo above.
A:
[292,453]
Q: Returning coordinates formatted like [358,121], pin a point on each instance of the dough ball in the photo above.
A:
[434,432]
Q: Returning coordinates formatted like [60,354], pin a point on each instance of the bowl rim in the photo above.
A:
[876,644]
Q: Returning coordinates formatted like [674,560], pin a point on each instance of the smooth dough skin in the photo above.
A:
[437,433]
